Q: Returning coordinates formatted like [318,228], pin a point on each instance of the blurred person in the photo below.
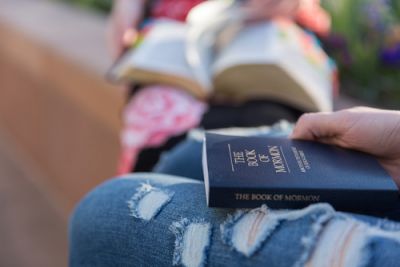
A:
[150,131]
[127,15]
[117,224]
[161,218]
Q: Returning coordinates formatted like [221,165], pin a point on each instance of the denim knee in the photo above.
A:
[90,224]
[114,225]
[161,220]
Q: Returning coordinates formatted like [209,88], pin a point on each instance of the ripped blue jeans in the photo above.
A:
[156,219]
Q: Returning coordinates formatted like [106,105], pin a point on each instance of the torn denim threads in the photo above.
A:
[348,242]
[342,243]
[148,201]
[246,231]
[102,232]
[383,251]
[191,243]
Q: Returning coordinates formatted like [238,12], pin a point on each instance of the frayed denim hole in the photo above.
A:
[192,242]
[359,251]
[341,243]
[226,228]
[246,231]
[266,224]
[383,250]
[381,223]
[367,253]
[148,201]
[310,240]
[158,178]
[387,225]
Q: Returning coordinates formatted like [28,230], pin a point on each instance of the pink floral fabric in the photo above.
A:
[156,113]
[310,14]
[173,9]
[152,116]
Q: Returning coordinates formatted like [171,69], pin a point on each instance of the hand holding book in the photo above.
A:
[336,162]
[247,171]
[369,130]
[123,24]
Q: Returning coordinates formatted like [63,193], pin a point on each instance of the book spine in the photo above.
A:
[362,201]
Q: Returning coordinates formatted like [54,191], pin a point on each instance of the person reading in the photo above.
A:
[154,219]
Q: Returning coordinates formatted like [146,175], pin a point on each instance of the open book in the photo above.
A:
[270,60]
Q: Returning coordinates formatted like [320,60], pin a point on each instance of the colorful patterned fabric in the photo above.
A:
[157,113]
[153,115]
[173,9]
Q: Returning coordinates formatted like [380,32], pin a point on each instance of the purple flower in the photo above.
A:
[337,45]
[391,56]
[377,14]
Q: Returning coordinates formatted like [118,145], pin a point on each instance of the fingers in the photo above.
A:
[124,21]
[317,126]
[129,37]
[116,36]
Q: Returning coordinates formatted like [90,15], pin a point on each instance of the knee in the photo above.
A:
[111,216]
[112,199]
[104,209]
[91,222]
[94,204]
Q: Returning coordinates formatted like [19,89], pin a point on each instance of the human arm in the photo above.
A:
[374,131]
[266,9]
[123,24]
[307,13]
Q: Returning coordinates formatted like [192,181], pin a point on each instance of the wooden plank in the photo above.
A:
[32,232]
[62,114]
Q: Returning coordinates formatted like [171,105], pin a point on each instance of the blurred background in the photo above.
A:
[59,123]
[59,118]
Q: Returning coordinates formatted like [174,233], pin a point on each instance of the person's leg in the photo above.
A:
[185,158]
[160,220]
[250,114]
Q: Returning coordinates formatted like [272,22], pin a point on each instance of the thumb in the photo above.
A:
[317,126]
[129,37]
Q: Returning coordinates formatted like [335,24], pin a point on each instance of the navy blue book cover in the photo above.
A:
[245,172]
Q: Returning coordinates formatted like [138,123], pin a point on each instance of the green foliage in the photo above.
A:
[366,25]
[100,5]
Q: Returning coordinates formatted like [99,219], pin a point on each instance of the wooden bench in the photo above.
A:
[57,112]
